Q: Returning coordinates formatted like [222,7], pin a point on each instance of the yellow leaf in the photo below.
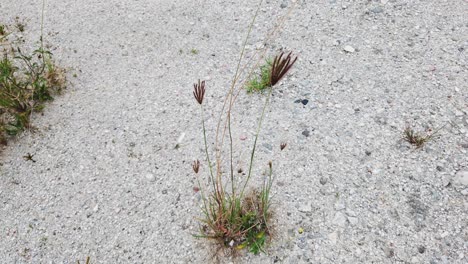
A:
[241,246]
[261,234]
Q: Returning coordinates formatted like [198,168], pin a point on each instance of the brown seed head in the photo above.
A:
[280,67]
[196,166]
[283,145]
[270,164]
[199,91]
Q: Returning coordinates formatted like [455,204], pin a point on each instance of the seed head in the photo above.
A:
[196,166]
[283,145]
[280,67]
[199,91]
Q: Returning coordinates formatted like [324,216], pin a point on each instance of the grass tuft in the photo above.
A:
[417,139]
[233,217]
[27,82]
[414,138]
[262,82]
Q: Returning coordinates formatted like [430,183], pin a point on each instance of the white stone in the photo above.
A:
[461,178]
[339,206]
[150,177]
[349,49]
[333,238]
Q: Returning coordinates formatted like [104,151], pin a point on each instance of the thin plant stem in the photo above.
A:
[42,25]
[230,95]
[263,51]
[202,195]
[255,141]
[206,148]
[41,39]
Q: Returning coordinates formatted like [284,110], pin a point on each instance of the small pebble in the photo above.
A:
[377,10]
[306,133]
[421,249]
[323,180]
[349,49]
[461,178]
[150,177]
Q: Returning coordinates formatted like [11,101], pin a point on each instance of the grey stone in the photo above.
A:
[421,249]
[305,207]
[268,146]
[377,9]
[339,206]
[323,180]
[461,178]
[339,219]
[353,220]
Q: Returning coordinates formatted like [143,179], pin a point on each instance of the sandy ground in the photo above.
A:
[109,184]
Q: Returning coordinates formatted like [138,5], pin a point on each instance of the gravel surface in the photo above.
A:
[109,183]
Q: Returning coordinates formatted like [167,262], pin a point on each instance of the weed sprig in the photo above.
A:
[417,139]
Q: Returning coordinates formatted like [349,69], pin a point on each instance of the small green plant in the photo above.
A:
[414,138]
[262,82]
[26,83]
[194,51]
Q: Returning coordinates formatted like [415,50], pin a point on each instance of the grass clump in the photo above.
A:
[417,139]
[235,214]
[261,82]
[27,81]
[233,217]
[414,138]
